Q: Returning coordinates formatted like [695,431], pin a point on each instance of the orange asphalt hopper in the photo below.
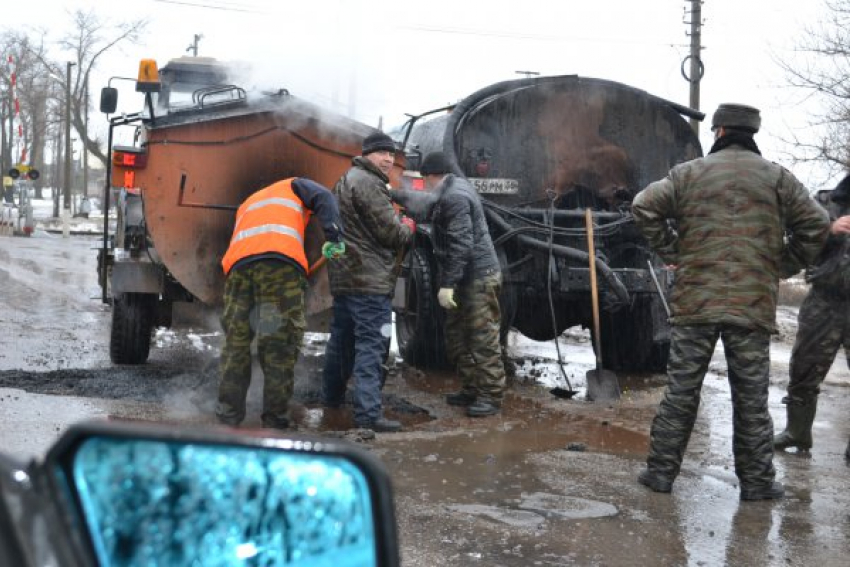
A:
[271,220]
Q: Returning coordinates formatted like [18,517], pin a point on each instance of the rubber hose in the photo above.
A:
[566,252]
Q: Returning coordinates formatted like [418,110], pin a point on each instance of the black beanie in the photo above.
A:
[378,142]
[435,163]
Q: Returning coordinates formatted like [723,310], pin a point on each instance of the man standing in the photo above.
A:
[470,282]
[363,282]
[742,222]
[266,270]
[822,326]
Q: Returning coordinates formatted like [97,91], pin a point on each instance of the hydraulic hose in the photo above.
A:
[564,251]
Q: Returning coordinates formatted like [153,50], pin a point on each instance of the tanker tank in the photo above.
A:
[540,151]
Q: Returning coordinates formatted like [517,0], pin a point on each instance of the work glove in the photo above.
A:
[409,223]
[446,297]
[333,250]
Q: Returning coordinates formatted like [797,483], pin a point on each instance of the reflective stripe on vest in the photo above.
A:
[275,201]
[271,220]
[279,228]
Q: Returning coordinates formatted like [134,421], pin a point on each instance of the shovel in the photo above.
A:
[602,384]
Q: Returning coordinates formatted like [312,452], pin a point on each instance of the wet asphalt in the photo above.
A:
[550,481]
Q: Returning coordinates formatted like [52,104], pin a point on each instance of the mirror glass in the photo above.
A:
[154,502]
[108,99]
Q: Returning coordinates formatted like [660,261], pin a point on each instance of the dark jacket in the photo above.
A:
[374,236]
[462,242]
[830,275]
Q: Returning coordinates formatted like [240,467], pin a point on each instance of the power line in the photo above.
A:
[223,6]
[525,35]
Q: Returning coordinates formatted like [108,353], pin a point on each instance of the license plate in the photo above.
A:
[495,186]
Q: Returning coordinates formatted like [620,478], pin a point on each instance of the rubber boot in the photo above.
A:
[772,491]
[798,429]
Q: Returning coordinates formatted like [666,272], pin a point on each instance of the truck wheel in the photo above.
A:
[419,328]
[132,326]
[627,340]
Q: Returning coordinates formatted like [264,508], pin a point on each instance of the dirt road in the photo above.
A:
[549,482]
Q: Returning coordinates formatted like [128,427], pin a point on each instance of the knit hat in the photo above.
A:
[435,163]
[738,116]
[377,142]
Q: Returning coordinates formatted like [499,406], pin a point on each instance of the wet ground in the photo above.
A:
[549,482]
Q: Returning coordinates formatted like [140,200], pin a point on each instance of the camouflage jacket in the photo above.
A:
[739,223]
[374,236]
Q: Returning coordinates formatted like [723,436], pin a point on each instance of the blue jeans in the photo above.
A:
[360,335]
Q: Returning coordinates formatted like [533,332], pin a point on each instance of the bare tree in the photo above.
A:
[822,67]
[39,104]
[89,39]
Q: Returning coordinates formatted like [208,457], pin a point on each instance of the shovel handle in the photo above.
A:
[315,267]
[594,294]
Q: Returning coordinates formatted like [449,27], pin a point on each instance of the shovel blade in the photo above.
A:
[602,386]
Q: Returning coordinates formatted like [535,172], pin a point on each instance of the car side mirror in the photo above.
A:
[108,100]
[152,494]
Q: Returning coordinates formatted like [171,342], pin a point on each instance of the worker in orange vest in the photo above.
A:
[266,269]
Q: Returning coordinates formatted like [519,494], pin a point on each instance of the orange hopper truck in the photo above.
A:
[201,145]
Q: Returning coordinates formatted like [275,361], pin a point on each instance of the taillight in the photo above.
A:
[126,161]
[123,158]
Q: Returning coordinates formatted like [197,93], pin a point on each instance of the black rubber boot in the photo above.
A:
[380,425]
[484,407]
[772,491]
[798,429]
[227,415]
[655,481]
[463,398]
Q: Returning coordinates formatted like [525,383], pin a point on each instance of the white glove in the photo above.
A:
[446,297]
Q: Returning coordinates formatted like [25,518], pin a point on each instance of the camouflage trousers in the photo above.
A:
[748,360]
[823,325]
[472,337]
[263,299]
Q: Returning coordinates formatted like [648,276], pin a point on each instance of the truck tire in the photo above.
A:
[132,326]
[627,340]
[419,328]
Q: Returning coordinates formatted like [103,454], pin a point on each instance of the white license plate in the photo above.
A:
[495,186]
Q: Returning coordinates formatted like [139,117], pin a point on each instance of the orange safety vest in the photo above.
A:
[271,220]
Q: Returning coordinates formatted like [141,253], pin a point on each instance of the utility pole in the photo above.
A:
[697,69]
[66,206]
[85,138]
[193,47]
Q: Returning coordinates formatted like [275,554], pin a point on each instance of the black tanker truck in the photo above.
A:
[540,152]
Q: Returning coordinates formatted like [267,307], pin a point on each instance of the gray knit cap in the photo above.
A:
[738,116]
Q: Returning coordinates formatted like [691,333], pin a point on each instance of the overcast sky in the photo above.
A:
[379,60]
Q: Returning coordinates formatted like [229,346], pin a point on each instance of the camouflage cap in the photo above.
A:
[738,116]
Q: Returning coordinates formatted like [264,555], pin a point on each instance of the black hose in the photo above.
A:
[551,259]
[563,251]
